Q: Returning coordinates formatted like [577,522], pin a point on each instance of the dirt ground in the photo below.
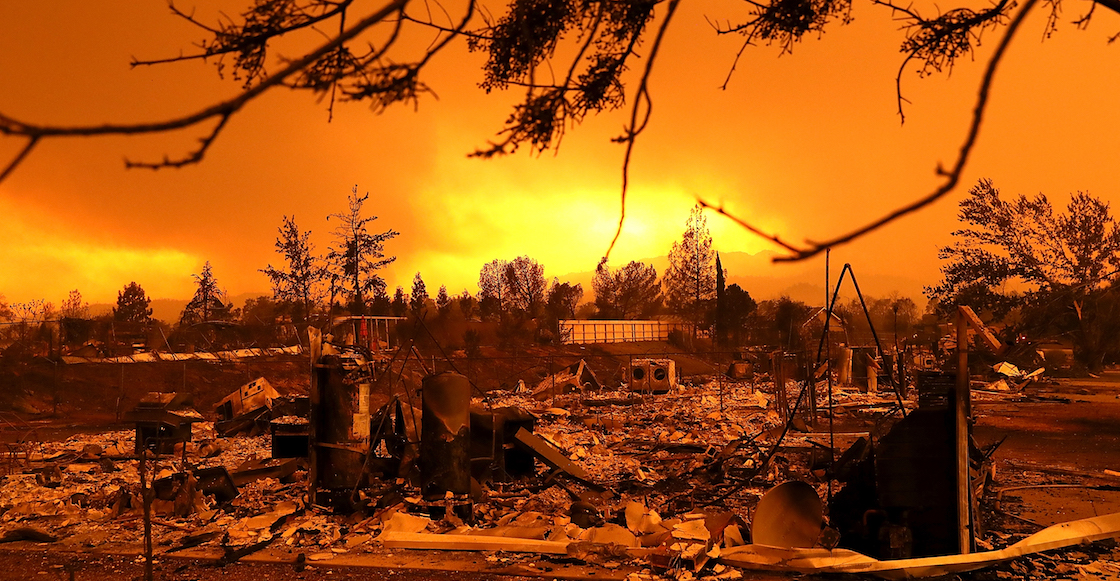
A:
[1071,426]
[38,565]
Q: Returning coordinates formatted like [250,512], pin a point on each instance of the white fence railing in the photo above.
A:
[604,331]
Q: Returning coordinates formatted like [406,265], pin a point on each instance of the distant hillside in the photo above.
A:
[764,280]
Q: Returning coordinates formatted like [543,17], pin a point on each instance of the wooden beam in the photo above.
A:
[402,540]
[961,405]
[549,454]
[979,326]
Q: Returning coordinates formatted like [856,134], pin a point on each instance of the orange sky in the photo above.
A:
[806,145]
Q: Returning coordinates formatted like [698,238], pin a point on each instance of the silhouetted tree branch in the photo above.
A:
[593,41]
[396,82]
[811,248]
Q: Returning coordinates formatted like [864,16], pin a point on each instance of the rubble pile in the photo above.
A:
[650,485]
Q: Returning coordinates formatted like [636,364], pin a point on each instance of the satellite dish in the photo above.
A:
[789,515]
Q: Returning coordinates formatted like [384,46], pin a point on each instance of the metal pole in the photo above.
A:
[146,494]
[828,361]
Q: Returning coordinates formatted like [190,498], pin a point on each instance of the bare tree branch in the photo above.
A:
[952,176]
[754,230]
[634,129]
[222,110]
[937,42]
[189,159]
[31,142]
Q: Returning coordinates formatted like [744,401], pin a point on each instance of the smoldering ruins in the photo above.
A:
[587,460]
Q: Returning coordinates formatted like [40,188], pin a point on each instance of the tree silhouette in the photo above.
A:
[133,305]
[627,293]
[357,255]
[569,59]
[467,304]
[738,312]
[563,298]
[208,302]
[524,278]
[493,289]
[419,296]
[1056,270]
[690,279]
[400,303]
[73,307]
[298,284]
[443,301]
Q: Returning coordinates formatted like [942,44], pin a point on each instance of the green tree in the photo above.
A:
[418,299]
[133,305]
[1054,271]
[690,280]
[299,283]
[630,292]
[357,255]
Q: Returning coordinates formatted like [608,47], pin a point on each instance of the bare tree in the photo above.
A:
[568,58]
[73,307]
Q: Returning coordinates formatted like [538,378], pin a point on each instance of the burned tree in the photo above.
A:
[357,255]
[298,284]
[209,302]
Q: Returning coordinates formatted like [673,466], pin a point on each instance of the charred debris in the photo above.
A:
[773,463]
